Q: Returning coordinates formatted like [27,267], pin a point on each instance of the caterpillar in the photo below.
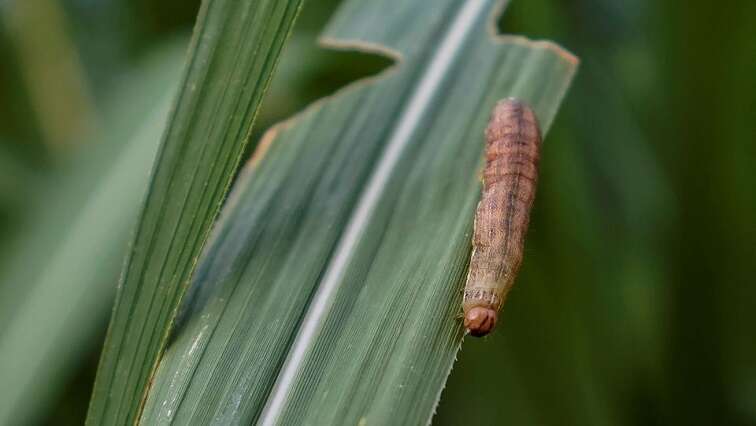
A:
[513,142]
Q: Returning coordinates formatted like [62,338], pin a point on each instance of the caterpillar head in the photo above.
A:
[479,321]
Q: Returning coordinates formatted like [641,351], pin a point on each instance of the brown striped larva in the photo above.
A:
[513,141]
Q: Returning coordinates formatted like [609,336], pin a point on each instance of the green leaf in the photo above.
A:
[60,312]
[332,286]
[234,50]
[58,282]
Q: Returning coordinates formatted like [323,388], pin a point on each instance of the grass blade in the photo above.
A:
[235,47]
[382,345]
[410,118]
[61,312]
[57,286]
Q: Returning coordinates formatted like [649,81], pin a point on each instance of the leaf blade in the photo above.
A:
[54,299]
[234,51]
[400,291]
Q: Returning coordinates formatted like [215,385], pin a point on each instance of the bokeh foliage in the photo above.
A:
[636,300]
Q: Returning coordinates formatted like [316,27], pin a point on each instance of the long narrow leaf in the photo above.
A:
[332,287]
[57,289]
[56,318]
[235,47]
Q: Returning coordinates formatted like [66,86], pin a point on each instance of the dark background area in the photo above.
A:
[636,304]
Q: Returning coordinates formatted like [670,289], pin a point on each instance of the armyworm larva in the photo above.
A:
[513,141]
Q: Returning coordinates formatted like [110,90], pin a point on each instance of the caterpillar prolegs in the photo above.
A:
[513,141]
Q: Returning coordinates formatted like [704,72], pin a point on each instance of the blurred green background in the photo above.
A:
[636,303]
